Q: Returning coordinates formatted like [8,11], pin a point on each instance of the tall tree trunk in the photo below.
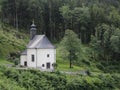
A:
[70,60]
[50,18]
[54,30]
[16,15]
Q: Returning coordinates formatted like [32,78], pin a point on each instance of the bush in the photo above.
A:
[36,80]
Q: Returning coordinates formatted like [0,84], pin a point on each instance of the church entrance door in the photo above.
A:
[48,66]
[25,63]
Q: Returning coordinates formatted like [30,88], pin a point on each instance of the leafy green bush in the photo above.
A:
[36,80]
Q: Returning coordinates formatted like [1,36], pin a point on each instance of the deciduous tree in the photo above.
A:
[71,43]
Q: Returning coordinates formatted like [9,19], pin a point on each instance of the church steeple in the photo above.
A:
[33,30]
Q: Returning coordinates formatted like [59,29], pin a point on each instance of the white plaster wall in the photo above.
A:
[29,59]
[43,59]
[23,58]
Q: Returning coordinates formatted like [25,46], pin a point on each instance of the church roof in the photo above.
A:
[24,52]
[40,41]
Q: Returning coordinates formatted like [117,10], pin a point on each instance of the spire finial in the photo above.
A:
[33,24]
[33,30]
[33,21]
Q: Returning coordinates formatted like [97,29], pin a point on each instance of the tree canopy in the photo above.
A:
[53,17]
[71,43]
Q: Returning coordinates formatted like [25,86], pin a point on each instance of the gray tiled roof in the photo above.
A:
[40,41]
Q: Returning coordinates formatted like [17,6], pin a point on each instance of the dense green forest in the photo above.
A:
[96,22]
[86,34]
[53,17]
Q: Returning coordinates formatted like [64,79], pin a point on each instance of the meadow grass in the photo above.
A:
[4,61]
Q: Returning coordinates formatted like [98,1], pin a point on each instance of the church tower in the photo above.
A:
[33,30]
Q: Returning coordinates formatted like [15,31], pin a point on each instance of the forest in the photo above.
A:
[86,32]
[96,22]
[53,17]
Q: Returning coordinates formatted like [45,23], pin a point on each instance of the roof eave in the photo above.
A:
[41,48]
[23,54]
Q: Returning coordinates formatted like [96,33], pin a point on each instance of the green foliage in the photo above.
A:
[54,16]
[115,41]
[70,41]
[11,41]
[99,82]
[7,83]
[71,44]
[94,21]
[36,80]
[66,12]
[106,45]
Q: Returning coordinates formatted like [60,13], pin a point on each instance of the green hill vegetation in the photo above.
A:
[13,79]
[85,74]
[11,41]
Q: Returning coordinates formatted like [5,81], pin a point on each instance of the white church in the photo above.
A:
[39,53]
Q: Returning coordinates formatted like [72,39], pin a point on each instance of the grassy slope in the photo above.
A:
[11,41]
[84,62]
[4,61]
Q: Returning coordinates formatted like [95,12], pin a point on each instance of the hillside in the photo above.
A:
[85,74]
[11,41]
